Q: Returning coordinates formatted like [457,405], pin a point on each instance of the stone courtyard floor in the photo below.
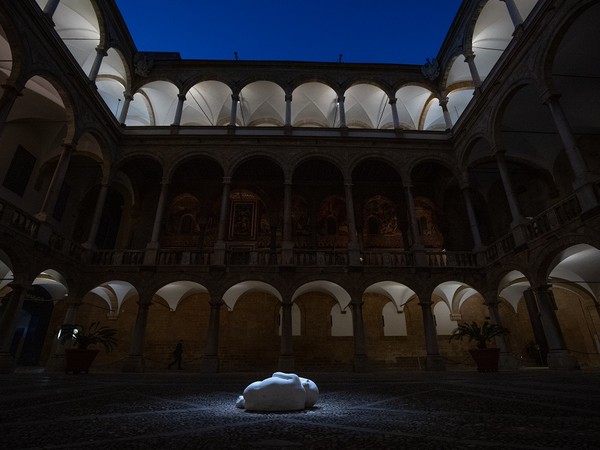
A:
[539,409]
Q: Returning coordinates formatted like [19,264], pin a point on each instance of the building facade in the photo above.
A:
[297,215]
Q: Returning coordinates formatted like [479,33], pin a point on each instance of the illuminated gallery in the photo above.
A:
[301,216]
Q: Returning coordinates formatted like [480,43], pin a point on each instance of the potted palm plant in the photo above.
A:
[80,358]
[485,358]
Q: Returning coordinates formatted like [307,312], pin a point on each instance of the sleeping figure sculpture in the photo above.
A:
[280,392]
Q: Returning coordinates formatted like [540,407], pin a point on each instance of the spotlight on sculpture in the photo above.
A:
[280,392]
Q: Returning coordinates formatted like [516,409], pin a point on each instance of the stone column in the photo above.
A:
[417,247]
[210,361]
[50,8]
[558,355]
[160,209]
[179,110]
[287,246]
[8,325]
[395,118]
[135,361]
[58,178]
[447,118]
[125,110]
[470,60]
[353,247]
[151,253]
[472,218]
[434,360]
[235,100]
[286,355]
[361,360]
[91,240]
[583,178]
[510,195]
[9,96]
[288,110]
[536,324]
[507,359]
[100,54]
[220,244]
[514,13]
[56,363]
[342,111]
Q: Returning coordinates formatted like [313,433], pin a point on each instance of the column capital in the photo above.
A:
[469,55]
[11,89]
[101,51]
[443,102]
[69,147]
[226,180]
[235,97]
[393,100]
[288,97]
[145,304]
[165,181]
[549,96]
[356,301]
[181,97]
[541,287]
[216,302]
[16,286]
[499,152]
[287,302]
[127,96]
[341,99]
[464,185]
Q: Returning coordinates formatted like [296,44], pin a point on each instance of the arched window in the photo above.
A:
[373,225]
[186,225]
[331,226]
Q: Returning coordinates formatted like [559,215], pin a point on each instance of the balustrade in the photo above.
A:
[548,221]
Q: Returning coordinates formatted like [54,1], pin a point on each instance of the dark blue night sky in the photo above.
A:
[402,31]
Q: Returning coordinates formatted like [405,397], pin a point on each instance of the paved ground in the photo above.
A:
[451,410]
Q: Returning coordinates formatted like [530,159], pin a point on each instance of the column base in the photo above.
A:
[7,363]
[561,359]
[219,254]
[286,363]
[56,363]
[361,363]
[586,196]
[508,361]
[134,364]
[435,363]
[209,364]
[151,254]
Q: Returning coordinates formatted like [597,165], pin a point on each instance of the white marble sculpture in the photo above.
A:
[281,392]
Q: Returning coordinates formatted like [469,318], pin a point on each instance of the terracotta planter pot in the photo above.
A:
[486,359]
[78,361]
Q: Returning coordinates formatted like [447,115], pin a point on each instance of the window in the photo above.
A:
[20,169]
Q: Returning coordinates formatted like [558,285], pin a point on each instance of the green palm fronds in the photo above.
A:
[481,335]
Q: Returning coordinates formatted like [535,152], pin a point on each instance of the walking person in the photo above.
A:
[177,355]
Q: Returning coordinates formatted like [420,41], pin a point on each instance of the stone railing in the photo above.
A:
[253,257]
[320,258]
[451,259]
[387,258]
[18,220]
[118,257]
[184,256]
[553,218]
